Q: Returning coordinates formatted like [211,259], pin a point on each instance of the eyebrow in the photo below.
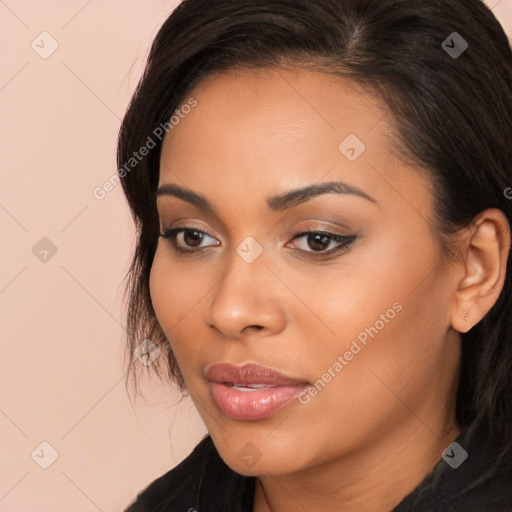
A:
[275,203]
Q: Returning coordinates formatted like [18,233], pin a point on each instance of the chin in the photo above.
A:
[255,455]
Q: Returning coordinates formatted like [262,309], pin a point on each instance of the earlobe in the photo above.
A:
[483,263]
[466,323]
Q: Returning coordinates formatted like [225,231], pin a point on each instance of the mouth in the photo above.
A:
[251,392]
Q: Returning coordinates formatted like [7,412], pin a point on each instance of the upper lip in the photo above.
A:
[250,373]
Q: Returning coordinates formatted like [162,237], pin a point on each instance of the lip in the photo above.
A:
[251,391]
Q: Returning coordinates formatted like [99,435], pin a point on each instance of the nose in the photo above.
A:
[246,300]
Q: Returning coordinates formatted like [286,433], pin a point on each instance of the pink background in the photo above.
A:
[61,366]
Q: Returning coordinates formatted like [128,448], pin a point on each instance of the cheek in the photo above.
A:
[162,290]
[176,297]
[381,314]
[373,372]
[175,288]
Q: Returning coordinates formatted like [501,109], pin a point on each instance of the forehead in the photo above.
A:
[283,108]
[285,105]
[271,130]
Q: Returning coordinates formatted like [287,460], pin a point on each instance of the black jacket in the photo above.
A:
[204,483]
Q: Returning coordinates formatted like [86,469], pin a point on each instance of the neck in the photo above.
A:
[375,479]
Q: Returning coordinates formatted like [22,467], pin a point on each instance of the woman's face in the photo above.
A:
[358,326]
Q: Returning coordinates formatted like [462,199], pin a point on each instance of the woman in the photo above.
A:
[322,196]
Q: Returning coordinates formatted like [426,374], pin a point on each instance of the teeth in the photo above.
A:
[248,387]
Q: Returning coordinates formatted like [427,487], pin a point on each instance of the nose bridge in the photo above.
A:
[245,295]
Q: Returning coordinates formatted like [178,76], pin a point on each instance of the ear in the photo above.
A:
[485,249]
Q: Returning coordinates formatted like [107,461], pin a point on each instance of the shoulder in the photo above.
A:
[201,482]
[474,475]
[178,486]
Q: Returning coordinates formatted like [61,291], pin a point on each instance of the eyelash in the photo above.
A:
[345,242]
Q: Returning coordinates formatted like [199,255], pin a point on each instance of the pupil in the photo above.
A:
[193,240]
[317,241]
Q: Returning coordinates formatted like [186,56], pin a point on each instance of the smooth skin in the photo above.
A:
[381,423]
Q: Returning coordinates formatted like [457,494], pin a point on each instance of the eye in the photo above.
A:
[323,242]
[187,239]
[316,243]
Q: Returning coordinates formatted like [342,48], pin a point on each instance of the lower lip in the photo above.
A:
[253,405]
